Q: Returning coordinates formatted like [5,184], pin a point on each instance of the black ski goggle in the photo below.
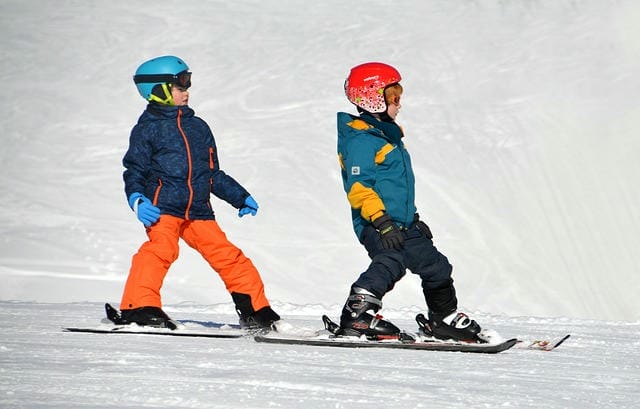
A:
[181,79]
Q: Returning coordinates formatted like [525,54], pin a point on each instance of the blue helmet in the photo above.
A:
[153,78]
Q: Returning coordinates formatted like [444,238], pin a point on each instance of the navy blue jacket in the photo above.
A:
[172,160]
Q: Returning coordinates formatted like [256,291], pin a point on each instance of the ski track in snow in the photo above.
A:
[42,366]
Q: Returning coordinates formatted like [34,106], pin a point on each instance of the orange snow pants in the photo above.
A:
[152,261]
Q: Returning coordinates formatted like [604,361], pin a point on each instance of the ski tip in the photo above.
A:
[112,313]
[544,345]
[329,325]
[109,309]
[561,340]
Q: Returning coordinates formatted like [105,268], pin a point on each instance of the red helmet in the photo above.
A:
[366,83]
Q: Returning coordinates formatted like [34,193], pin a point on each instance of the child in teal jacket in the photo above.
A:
[379,181]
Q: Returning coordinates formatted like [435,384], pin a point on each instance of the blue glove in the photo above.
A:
[146,212]
[250,206]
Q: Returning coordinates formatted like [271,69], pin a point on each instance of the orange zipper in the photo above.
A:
[190,165]
[157,193]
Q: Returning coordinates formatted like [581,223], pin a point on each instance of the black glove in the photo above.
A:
[424,229]
[390,234]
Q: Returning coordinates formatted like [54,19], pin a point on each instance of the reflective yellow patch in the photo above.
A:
[359,124]
[382,153]
[365,199]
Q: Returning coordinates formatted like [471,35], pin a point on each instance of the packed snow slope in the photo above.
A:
[522,119]
[44,367]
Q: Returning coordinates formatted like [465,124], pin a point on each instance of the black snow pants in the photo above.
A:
[419,256]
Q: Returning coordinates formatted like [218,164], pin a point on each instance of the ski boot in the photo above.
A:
[249,318]
[147,316]
[456,325]
[263,319]
[356,321]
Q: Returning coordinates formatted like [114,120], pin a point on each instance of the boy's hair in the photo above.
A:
[392,92]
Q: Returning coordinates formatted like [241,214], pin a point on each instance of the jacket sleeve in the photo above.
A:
[224,186]
[137,162]
[360,168]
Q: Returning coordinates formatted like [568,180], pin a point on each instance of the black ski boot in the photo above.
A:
[148,316]
[251,319]
[444,321]
[264,318]
[456,325]
[356,321]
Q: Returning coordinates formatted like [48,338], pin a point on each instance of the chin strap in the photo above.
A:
[157,94]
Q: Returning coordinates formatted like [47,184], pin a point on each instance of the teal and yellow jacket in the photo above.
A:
[376,170]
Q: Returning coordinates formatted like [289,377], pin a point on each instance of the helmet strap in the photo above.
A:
[161,94]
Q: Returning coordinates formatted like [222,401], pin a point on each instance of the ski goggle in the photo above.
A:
[395,100]
[181,79]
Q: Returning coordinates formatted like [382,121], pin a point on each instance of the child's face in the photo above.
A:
[180,95]
[394,108]
[392,98]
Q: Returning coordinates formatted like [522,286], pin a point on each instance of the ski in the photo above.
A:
[328,338]
[413,341]
[113,324]
[143,330]
[542,345]
[353,342]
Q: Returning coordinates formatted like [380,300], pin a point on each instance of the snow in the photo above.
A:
[522,124]
[42,366]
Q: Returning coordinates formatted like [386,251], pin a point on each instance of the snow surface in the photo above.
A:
[522,120]
[41,366]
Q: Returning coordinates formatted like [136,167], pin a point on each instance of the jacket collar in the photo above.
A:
[167,111]
[390,129]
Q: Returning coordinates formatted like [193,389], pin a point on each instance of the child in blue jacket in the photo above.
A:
[172,168]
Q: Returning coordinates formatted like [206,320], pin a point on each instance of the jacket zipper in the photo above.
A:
[406,171]
[211,166]
[189,164]
[157,193]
